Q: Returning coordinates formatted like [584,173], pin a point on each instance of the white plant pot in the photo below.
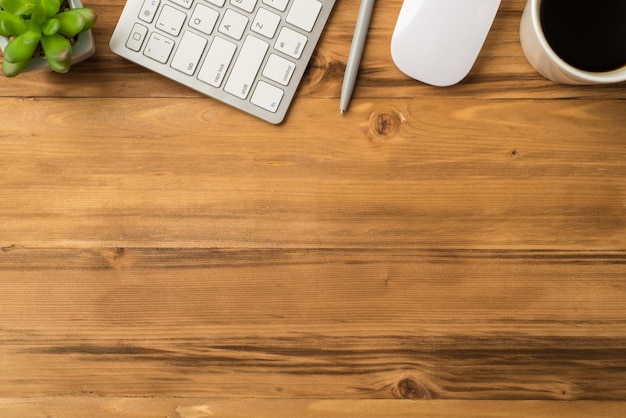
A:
[83,48]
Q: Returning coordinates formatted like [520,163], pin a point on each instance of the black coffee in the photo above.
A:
[587,34]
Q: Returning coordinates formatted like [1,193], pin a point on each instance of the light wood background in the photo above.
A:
[443,252]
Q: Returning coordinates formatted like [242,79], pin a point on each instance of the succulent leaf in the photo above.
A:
[51,7]
[72,22]
[11,69]
[39,14]
[51,27]
[58,50]
[89,15]
[10,24]
[19,7]
[62,66]
[21,48]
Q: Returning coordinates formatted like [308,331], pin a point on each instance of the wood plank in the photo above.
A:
[450,173]
[290,285]
[301,323]
[345,408]
[300,365]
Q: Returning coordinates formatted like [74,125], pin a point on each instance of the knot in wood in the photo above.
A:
[321,69]
[384,124]
[412,389]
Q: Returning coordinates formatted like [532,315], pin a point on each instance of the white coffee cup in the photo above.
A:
[543,58]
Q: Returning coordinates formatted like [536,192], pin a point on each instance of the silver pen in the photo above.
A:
[356,51]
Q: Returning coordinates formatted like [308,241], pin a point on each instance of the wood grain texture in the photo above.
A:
[297,323]
[205,408]
[433,252]
[464,173]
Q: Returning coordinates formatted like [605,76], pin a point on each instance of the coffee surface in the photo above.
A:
[587,34]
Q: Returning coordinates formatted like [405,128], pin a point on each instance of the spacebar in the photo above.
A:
[246,67]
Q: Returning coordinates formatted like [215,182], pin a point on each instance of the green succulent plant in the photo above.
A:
[30,24]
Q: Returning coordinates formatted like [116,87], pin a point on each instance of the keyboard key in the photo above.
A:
[290,42]
[204,19]
[304,13]
[159,47]
[267,96]
[247,5]
[217,61]
[188,54]
[184,3]
[218,3]
[233,24]
[148,10]
[246,67]
[171,20]
[265,23]
[277,4]
[279,69]
[137,36]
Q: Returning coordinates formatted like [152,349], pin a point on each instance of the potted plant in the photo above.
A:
[40,33]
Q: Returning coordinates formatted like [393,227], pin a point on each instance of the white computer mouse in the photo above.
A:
[438,41]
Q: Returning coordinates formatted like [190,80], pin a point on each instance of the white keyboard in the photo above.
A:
[250,54]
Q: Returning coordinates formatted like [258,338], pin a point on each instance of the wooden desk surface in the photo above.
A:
[165,255]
